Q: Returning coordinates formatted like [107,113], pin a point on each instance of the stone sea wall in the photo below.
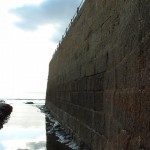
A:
[99,78]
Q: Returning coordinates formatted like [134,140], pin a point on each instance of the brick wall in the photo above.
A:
[99,84]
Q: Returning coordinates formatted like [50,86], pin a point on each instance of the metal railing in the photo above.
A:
[67,29]
[75,15]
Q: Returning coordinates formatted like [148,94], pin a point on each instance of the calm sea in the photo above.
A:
[27,129]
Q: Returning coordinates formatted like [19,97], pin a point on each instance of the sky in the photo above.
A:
[29,34]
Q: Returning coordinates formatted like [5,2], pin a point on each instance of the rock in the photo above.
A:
[5,111]
[29,103]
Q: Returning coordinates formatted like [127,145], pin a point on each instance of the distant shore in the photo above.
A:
[21,99]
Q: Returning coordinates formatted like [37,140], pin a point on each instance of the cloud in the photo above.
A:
[36,145]
[56,12]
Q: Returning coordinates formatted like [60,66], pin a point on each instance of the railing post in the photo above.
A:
[77,10]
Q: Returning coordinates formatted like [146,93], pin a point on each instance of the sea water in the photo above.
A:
[29,128]
[25,129]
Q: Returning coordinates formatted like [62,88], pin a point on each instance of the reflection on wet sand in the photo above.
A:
[36,145]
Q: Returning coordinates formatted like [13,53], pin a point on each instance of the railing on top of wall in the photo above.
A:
[67,29]
[76,14]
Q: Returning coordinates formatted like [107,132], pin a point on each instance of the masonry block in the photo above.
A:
[98,82]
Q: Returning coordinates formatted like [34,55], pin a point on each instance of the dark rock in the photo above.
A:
[29,103]
[5,111]
[2,101]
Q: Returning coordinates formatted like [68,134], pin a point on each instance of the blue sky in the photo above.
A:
[30,32]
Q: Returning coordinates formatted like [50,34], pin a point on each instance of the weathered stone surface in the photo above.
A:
[99,84]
